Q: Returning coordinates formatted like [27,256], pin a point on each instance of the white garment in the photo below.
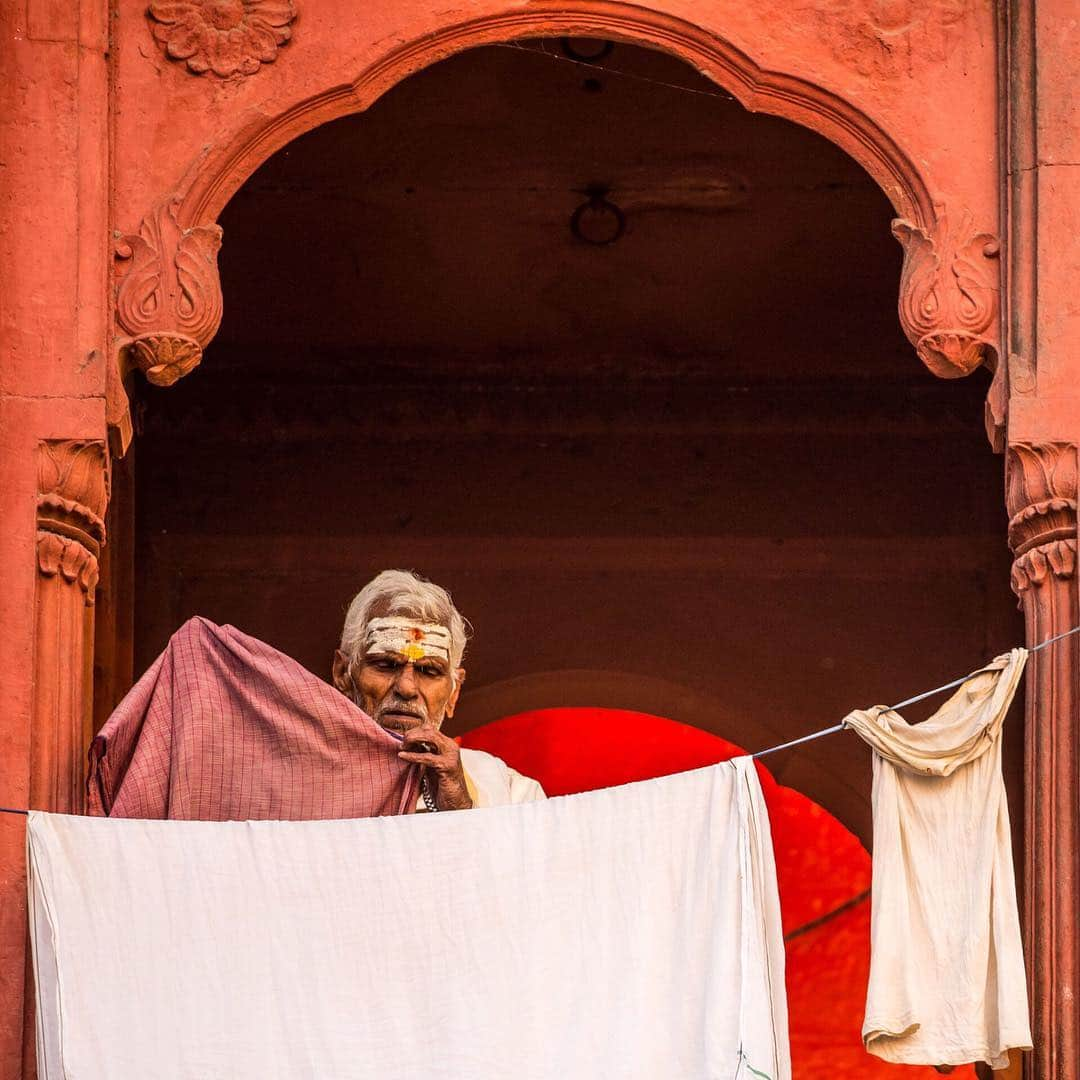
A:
[947,983]
[626,933]
[491,782]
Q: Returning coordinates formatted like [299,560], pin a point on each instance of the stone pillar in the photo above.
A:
[73,491]
[59,391]
[1041,497]
[72,495]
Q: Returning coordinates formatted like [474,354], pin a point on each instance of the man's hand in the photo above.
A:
[444,766]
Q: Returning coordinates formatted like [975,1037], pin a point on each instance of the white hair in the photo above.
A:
[402,592]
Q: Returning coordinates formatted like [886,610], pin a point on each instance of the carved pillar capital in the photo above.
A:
[168,299]
[73,492]
[949,294]
[1041,494]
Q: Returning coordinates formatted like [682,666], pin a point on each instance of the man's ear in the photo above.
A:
[339,672]
[451,704]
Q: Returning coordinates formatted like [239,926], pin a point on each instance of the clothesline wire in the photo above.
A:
[813,924]
[835,727]
[902,704]
[600,69]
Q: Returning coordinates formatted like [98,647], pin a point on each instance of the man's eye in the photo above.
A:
[386,665]
[430,671]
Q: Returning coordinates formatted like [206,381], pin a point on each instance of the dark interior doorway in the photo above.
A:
[702,452]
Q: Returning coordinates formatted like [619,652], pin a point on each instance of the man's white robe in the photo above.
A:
[491,782]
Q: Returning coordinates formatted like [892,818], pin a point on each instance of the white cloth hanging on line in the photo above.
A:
[627,933]
[947,983]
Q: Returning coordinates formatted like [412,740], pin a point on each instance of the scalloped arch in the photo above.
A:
[951,282]
[788,96]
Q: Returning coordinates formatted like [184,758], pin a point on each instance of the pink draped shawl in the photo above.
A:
[222,727]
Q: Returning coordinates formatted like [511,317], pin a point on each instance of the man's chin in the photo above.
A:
[401,723]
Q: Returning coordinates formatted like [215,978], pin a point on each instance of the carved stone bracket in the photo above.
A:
[949,293]
[168,300]
[73,492]
[226,38]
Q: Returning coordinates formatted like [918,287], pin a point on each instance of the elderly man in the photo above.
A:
[223,726]
[400,661]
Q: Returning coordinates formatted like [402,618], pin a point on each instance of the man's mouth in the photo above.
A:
[399,718]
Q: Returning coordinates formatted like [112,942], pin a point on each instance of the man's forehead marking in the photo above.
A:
[412,628]
[407,637]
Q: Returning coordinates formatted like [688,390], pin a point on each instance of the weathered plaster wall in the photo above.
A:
[1044,183]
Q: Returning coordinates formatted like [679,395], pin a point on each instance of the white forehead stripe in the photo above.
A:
[407,637]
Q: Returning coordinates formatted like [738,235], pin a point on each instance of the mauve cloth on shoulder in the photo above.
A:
[223,727]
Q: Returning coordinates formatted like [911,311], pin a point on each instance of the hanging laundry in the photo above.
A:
[947,983]
[224,727]
[627,933]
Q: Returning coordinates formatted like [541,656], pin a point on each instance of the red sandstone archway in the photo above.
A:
[785,94]
[169,300]
[948,344]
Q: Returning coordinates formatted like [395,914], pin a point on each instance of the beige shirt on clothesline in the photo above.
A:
[947,983]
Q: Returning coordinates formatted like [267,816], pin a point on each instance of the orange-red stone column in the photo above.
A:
[72,495]
[1041,489]
[1041,364]
[56,369]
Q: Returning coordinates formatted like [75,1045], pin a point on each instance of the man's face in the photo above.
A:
[398,693]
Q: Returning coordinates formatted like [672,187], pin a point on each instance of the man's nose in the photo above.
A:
[405,683]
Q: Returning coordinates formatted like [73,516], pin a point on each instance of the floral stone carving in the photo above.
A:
[949,294]
[73,492]
[227,38]
[168,300]
[1041,494]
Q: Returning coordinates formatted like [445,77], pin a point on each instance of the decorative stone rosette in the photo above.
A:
[226,38]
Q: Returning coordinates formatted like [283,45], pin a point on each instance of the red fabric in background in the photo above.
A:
[820,865]
[223,727]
